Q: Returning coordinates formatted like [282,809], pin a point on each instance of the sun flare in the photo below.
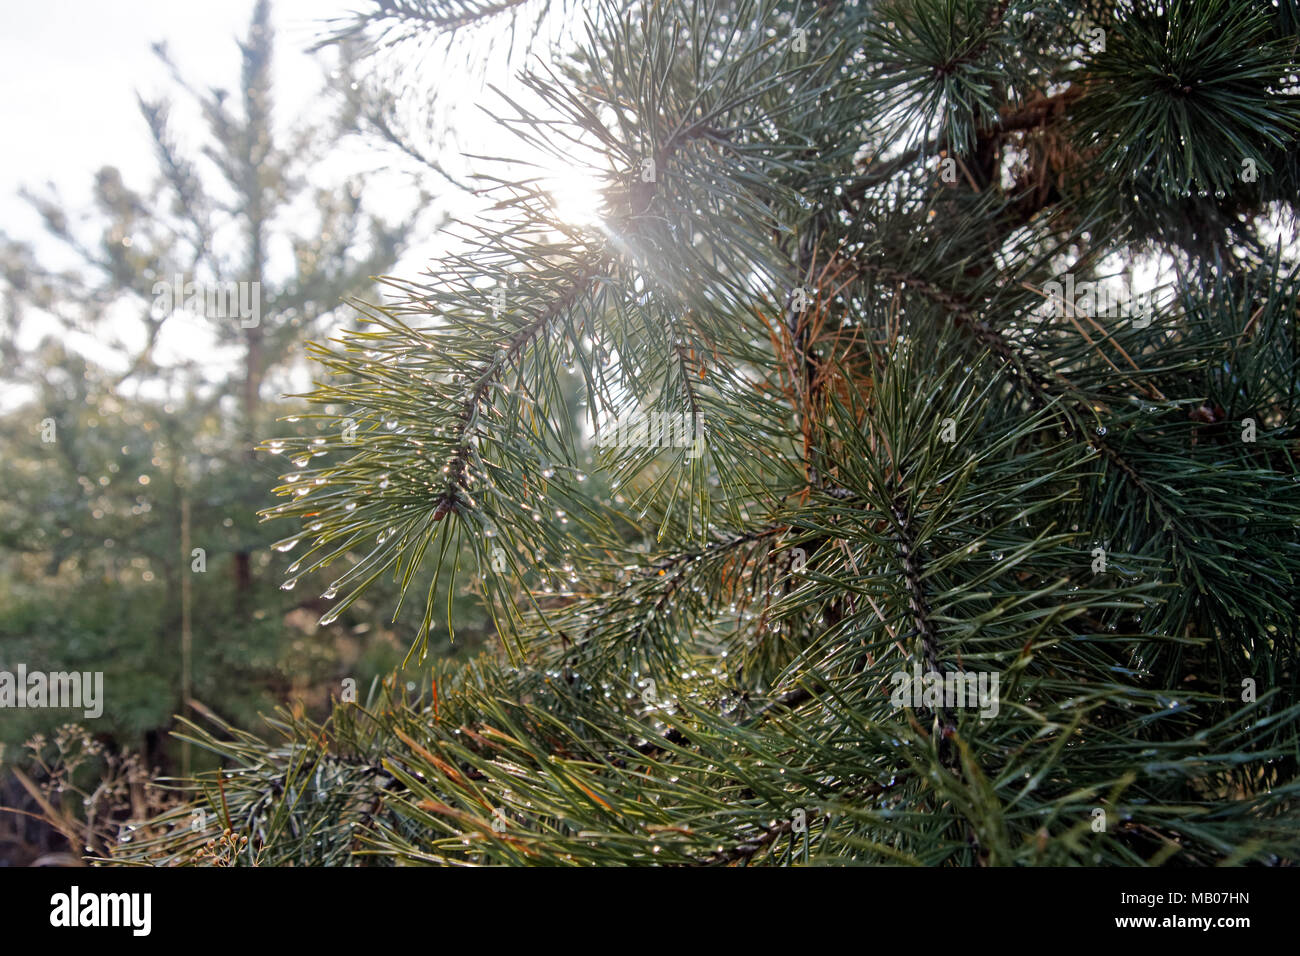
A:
[575,195]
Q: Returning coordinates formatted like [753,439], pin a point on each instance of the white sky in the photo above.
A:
[70,69]
[69,74]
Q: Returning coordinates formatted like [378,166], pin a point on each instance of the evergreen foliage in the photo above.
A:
[828,235]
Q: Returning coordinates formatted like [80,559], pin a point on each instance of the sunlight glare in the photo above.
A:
[575,195]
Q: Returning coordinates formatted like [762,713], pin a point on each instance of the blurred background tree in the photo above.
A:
[154,446]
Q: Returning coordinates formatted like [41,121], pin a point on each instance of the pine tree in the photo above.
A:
[985,314]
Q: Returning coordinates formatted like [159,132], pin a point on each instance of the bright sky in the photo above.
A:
[69,74]
[70,69]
